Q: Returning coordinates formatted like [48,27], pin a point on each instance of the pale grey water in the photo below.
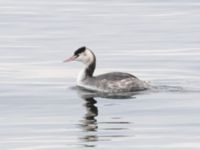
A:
[156,40]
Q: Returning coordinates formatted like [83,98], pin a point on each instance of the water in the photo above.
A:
[156,40]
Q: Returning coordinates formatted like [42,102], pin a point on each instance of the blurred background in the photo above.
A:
[156,40]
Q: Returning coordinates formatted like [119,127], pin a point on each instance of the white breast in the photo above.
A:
[82,81]
[81,77]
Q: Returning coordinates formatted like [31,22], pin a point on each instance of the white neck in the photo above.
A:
[81,76]
[90,64]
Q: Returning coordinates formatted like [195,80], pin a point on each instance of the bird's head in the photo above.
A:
[84,55]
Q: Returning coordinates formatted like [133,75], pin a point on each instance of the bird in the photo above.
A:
[113,82]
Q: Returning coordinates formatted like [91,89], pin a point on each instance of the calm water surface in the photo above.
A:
[156,40]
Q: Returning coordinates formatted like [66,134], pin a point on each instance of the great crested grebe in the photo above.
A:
[113,82]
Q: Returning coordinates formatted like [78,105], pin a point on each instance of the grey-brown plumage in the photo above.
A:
[110,82]
[115,82]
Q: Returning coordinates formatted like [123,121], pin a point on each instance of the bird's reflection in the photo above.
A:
[117,126]
[89,122]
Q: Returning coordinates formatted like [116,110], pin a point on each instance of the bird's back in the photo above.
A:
[115,82]
[114,76]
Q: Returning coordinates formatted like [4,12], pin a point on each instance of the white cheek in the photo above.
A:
[80,58]
[83,59]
